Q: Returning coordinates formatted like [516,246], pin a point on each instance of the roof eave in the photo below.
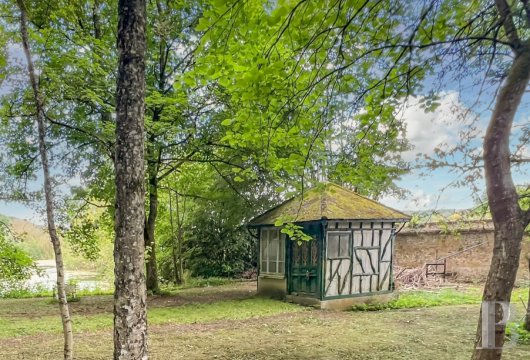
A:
[397,219]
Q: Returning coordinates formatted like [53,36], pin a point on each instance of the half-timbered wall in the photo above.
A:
[358,258]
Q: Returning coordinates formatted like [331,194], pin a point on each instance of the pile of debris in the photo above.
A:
[416,278]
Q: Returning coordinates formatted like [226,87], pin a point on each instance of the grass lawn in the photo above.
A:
[227,322]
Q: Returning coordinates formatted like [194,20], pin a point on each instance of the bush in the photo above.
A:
[423,298]
[16,265]
[516,332]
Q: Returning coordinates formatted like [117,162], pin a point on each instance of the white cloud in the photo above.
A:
[428,130]
[417,200]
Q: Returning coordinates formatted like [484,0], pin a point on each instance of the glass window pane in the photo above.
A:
[264,246]
[273,250]
[338,245]
[333,246]
[264,266]
[282,248]
[281,267]
[272,267]
[344,250]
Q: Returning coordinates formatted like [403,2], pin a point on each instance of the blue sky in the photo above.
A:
[455,114]
[425,131]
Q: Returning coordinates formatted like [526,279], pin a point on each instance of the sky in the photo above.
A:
[436,190]
[431,190]
[425,190]
[425,131]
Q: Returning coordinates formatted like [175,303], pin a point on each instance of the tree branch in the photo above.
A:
[526,7]
[106,145]
[177,165]
[506,18]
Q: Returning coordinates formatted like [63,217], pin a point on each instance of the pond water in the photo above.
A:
[86,280]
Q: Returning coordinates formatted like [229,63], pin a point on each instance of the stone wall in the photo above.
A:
[415,247]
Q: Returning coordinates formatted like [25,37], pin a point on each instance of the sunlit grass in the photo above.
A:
[186,314]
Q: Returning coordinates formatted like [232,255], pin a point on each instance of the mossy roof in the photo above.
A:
[328,201]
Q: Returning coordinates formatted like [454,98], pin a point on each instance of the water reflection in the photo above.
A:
[85,280]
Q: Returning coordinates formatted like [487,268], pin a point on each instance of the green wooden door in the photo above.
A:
[304,277]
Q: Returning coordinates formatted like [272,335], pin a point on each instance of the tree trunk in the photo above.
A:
[153,165]
[150,221]
[48,192]
[181,262]
[173,250]
[130,318]
[180,236]
[527,317]
[507,216]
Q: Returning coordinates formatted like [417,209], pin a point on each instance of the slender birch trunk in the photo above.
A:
[48,191]
[130,315]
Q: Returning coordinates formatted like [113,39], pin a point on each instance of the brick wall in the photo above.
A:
[415,247]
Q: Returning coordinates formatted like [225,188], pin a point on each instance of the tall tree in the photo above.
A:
[130,316]
[508,217]
[48,190]
[171,115]
[368,56]
[311,103]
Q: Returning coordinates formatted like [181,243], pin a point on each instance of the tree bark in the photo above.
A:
[130,318]
[154,153]
[178,277]
[48,191]
[173,246]
[150,221]
[503,200]
[180,236]
[527,317]
[181,261]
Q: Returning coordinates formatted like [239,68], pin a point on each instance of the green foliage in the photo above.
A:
[38,248]
[233,111]
[25,292]
[89,232]
[516,332]
[420,299]
[429,298]
[293,231]
[289,100]
[15,264]
[208,215]
[217,248]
